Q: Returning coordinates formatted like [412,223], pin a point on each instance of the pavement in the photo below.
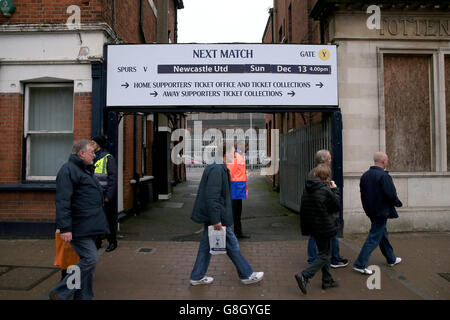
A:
[158,248]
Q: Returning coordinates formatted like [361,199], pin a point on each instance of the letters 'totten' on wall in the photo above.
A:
[414,27]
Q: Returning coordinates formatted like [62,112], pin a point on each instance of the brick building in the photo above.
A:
[52,80]
[303,129]
[289,23]
[393,86]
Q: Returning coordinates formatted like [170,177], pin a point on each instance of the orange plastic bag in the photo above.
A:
[65,255]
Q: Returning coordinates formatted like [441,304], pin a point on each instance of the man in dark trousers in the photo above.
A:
[80,218]
[106,173]
[213,207]
[379,199]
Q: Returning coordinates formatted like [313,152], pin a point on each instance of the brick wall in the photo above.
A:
[30,205]
[123,17]
[11,123]
[172,15]
[128,13]
[127,21]
[149,23]
[128,150]
[46,11]
[27,206]
[267,36]
[82,120]
[293,27]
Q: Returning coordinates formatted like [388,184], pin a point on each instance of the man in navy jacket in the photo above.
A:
[80,218]
[379,199]
[213,207]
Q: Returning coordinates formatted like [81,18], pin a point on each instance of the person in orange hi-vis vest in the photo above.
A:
[239,190]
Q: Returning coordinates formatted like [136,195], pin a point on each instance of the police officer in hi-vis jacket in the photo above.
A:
[106,173]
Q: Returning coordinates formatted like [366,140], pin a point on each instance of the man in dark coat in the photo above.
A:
[379,199]
[320,199]
[105,170]
[213,207]
[80,218]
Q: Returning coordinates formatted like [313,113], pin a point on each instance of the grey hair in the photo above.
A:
[321,156]
[80,145]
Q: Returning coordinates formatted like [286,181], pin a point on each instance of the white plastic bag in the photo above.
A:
[217,240]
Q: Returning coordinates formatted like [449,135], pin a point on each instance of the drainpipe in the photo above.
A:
[322,31]
[136,177]
[175,31]
[273,28]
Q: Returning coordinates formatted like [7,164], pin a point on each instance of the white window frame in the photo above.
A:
[27,133]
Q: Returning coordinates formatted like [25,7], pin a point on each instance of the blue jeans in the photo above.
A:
[87,250]
[312,250]
[378,236]
[243,268]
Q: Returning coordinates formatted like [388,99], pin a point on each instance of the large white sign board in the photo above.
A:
[221,75]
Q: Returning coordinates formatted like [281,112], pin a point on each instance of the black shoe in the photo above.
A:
[242,236]
[111,247]
[340,264]
[302,282]
[331,284]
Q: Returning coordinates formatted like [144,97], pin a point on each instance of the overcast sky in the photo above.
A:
[218,21]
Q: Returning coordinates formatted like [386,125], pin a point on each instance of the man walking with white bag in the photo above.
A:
[213,207]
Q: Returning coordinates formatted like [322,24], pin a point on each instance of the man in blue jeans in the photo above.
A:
[80,218]
[324,156]
[379,199]
[213,207]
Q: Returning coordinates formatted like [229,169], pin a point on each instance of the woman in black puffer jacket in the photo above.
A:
[320,199]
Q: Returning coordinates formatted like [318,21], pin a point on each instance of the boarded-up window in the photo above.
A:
[407,112]
[447,98]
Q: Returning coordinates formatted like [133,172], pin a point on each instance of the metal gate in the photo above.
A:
[297,150]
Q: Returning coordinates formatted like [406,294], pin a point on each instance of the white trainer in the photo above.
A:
[363,271]
[397,261]
[204,280]
[254,277]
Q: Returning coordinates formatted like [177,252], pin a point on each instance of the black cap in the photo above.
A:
[100,140]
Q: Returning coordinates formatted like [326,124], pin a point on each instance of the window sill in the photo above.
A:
[28,187]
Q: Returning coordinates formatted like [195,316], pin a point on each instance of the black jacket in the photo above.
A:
[378,194]
[110,190]
[213,202]
[319,202]
[79,200]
